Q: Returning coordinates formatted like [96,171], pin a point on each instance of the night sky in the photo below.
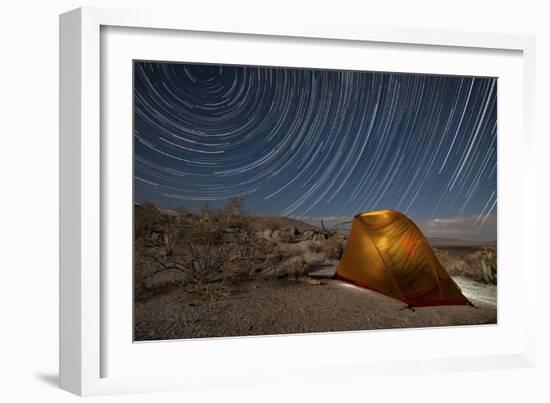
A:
[319,143]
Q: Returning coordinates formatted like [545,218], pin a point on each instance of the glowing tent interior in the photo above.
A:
[387,252]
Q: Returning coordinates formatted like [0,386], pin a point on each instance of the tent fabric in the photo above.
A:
[387,252]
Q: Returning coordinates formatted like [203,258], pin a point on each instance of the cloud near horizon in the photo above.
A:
[475,228]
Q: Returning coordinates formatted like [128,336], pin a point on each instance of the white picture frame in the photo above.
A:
[85,343]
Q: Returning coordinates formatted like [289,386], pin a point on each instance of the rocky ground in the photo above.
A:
[283,307]
[218,275]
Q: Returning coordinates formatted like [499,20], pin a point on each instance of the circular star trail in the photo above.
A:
[305,142]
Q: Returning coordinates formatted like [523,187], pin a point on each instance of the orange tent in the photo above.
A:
[386,252]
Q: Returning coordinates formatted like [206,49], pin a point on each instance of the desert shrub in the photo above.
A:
[471,260]
[211,246]
[234,207]
[488,265]
[471,264]
[334,248]
[331,248]
[287,250]
[146,217]
[317,247]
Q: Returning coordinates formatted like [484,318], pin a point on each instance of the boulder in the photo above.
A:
[293,267]
[293,231]
[308,235]
[287,234]
[319,237]
[314,259]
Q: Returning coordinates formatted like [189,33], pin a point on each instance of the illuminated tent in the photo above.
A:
[386,252]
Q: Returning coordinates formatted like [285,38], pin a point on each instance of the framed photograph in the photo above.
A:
[236,198]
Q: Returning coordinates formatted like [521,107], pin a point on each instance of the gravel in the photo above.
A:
[287,306]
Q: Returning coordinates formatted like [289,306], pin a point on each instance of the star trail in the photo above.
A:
[315,143]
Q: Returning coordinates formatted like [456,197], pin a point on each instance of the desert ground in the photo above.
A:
[225,273]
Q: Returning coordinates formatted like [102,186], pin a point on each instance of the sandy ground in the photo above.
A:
[288,306]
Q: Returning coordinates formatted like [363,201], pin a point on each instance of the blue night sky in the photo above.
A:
[319,143]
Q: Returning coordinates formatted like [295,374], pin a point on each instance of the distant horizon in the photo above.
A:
[302,143]
[330,221]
